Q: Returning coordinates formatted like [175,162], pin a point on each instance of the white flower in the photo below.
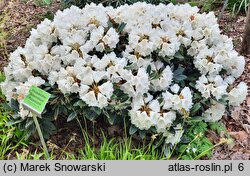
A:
[49,63]
[144,113]
[67,81]
[136,85]
[168,100]
[87,76]
[175,88]
[8,88]
[24,113]
[238,94]
[136,59]
[164,80]
[215,86]
[111,38]
[183,101]
[18,68]
[229,79]
[96,94]
[53,77]
[215,112]
[165,120]
[174,138]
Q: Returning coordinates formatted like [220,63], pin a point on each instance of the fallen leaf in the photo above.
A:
[241,136]
[247,128]
[248,100]
[236,114]
[240,156]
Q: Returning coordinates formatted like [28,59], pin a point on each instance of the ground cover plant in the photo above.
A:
[148,74]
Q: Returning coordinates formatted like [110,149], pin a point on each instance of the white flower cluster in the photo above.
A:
[84,51]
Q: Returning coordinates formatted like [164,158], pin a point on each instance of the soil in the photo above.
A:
[16,20]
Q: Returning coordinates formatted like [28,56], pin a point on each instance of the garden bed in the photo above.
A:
[70,137]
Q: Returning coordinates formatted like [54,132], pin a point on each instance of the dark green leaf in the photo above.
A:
[56,112]
[111,116]
[191,84]
[28,123]
[197,96]
[47,84]
[179,71]
[180,77]
[196,119]
[179,56]
[14,105]
[160,142]
[72,116]
[132,130]
[12,122]
[154,75]
[195,108]
[79,103]
[149,69]
[110,24]
[6,106]
[92,113]
[168,58]
[121,27]
[142,134]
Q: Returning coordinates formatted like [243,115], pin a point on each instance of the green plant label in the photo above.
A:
[36,100]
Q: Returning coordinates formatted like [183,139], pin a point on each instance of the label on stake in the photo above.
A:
[36,100]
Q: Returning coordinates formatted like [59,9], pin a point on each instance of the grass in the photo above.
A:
[108,150]
[237,6]
[11,137]
[120,150]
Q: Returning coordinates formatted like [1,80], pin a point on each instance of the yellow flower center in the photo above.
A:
[146,37]
[181,33]
[162,111]
[94,87]
[94,21]
[192,18]
[181,96]
[165,40]
[154,26]
[137,55]
[145,108]
[209,59]
[76,47]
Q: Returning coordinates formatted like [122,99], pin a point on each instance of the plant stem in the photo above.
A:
[41,137]
[82,130]
[178,138]
[222,10]
[204,152]
[125,128]
[93,132]
[188,146]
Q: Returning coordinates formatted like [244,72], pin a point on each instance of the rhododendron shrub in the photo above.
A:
[154,67]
